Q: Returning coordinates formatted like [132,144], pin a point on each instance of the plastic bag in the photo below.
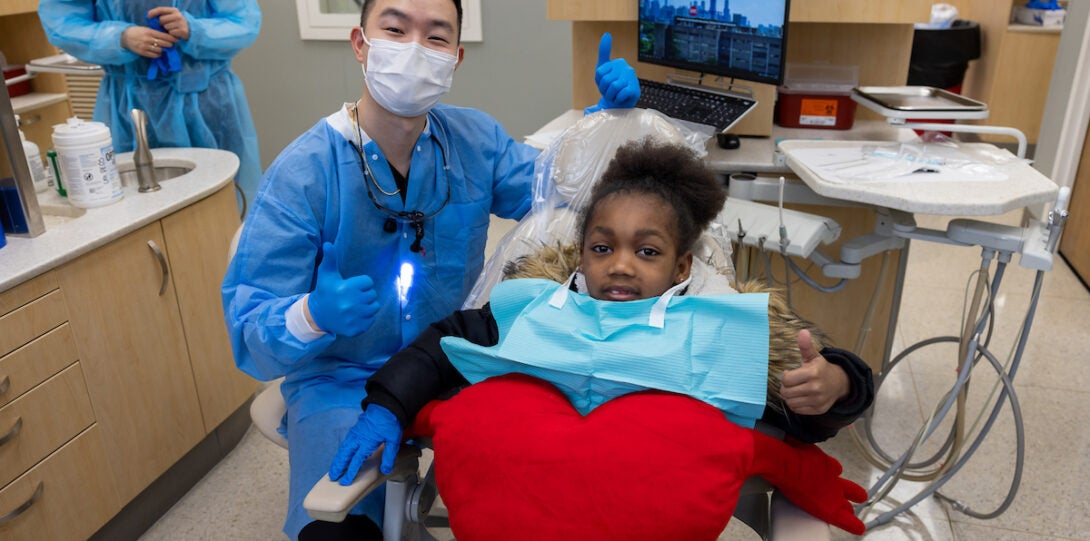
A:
[565,174]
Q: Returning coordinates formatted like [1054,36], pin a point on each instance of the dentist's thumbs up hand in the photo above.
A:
[338,305]
[814,387]
[616,80]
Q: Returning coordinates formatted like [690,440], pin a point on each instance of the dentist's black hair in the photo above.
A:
[669,171]
[368,4]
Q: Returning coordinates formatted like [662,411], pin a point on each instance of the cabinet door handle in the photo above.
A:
[5,385]
[23,506]
[15,428]
[162,264]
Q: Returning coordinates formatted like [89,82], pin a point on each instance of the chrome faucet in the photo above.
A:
[141,157]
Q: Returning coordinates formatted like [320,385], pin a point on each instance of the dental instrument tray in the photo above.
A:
[918,102]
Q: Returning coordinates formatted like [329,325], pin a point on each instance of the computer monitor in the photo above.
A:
[741,39]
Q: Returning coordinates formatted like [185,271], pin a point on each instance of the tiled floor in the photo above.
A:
[243,498]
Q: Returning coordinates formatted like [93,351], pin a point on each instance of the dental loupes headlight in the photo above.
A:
[404,282]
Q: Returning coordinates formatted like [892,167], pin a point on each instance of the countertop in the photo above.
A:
[67,237]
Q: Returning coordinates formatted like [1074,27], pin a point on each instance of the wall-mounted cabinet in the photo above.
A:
[22,39]
[876,36]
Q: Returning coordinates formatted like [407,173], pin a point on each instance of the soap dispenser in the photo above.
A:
[34,161]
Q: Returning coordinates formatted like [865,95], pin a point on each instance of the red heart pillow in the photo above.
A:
[512,455]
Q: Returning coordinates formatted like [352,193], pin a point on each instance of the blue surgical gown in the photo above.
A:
[315,192]
[203,105]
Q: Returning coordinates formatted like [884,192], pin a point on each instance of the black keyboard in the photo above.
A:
[686,103]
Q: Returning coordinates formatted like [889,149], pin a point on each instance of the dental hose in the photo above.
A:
[1006,378]
[880,488]
[1008,386]
[883,459]
[1008,393]
[810,281]
[871,450]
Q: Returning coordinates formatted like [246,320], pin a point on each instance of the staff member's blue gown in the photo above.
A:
[203,105]
[315,192]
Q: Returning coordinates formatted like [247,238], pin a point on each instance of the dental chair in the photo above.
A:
[410,495]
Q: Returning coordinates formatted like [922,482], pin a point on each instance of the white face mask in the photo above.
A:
[407,79]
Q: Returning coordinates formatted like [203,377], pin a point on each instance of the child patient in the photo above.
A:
[645,214]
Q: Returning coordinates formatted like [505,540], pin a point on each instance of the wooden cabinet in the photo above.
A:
[129,334]
[197,239]
[114,365]
[66,496]
[52,457]
[876,36]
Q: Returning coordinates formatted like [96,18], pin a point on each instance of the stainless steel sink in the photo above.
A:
[162,172]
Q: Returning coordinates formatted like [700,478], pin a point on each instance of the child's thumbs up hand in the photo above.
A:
[814,387]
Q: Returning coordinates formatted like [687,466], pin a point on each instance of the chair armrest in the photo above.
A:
[267,410]
[330,501]
[789,523]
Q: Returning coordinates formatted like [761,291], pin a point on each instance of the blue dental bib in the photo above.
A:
[711,347]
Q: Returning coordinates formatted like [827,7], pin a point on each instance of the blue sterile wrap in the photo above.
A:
[711,347]
[168,62]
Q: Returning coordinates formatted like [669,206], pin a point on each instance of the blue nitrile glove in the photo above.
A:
[1044,4]
[169,61]
[376,425]
[616,80]
[345,306]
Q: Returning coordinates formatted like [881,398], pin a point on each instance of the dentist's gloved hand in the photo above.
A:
[376,425]
[338,305]
[616,80]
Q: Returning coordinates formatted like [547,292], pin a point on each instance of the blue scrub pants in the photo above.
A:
[312,443]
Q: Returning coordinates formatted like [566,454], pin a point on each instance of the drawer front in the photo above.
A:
[26,367]
[77,494]
[42,420]
[27,291]
[24,324]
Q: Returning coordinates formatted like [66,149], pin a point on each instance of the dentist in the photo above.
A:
[369,227]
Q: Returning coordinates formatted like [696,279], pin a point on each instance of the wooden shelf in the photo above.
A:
[15,7]
[36,100]
[1034,29]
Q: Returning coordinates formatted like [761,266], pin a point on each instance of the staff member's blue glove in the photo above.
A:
[376,425]
[338,305]
[616,80]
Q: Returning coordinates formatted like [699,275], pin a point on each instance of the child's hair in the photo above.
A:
[670,171]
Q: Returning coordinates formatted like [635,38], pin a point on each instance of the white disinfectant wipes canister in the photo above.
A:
[85,157]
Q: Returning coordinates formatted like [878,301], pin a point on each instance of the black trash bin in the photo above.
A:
[940,56]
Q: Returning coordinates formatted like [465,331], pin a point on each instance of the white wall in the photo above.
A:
[520,73]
